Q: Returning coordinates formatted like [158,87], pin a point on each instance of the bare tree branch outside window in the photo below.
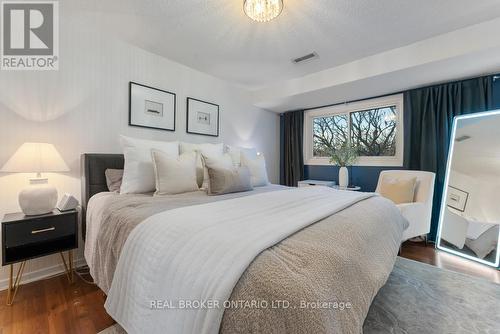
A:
[372,132]
[329,133]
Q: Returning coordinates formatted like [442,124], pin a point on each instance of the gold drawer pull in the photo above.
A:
[43,230]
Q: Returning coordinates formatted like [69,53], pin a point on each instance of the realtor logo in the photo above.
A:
[30,35]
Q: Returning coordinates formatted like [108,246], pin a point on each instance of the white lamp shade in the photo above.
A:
[35,158]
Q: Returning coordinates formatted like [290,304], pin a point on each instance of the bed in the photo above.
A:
[470,237]
[274,259]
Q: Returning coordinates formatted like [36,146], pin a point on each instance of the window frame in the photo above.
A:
[348,108]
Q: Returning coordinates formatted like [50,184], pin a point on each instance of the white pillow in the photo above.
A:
[174,175]
[138,171]
[257,169]
[236,152]
[205,148]
[209,150]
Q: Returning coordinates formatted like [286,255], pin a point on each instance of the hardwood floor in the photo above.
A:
[55,306]
[419,252]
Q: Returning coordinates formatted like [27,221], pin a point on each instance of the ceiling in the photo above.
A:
[478,156]
[214,36]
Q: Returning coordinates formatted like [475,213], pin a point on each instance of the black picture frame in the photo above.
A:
[461,192]
[131,84]
[187,117]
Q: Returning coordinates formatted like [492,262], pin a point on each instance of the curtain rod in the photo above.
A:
[353,101]
[494,76]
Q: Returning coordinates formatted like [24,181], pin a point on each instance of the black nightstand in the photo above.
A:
[29,237]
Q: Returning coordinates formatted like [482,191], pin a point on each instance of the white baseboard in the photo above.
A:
[37,275]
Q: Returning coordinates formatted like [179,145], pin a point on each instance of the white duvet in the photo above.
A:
[198,253]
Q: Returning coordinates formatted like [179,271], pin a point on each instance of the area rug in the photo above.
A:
[420,298]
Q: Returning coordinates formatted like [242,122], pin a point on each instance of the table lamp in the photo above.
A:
[39,198]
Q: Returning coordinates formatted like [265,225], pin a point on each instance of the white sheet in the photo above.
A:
[200,252]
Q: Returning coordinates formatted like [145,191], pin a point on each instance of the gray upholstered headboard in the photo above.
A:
[93,167]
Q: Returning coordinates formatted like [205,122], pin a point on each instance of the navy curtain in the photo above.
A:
[292,168]
[429,114]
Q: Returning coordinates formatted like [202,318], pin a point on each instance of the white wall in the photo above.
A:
[83,107]
[482,203]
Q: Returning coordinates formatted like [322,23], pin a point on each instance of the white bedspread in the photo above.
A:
[199,253]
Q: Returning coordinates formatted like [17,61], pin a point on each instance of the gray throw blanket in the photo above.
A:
[328,272]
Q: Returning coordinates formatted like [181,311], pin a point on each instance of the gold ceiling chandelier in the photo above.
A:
[263,10]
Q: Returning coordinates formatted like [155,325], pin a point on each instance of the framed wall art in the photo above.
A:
[151,108]
[202,117]
[457,199]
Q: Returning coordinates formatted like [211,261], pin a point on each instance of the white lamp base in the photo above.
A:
[38,199]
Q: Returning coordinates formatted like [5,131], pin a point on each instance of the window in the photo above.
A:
[374,127]
[329,133]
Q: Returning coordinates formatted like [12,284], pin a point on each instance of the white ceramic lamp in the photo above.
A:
[39,198]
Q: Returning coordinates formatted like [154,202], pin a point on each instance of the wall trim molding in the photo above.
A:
[43,273]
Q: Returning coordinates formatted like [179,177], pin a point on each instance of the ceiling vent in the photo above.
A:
[308,57]
[462,138]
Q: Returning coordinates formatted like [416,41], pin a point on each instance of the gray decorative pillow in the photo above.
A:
[114,179]
[225,181]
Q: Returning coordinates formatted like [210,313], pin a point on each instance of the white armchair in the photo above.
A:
[419,212]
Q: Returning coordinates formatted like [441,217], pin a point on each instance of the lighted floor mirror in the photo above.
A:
[469,222]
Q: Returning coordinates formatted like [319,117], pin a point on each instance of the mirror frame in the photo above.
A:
[445,191]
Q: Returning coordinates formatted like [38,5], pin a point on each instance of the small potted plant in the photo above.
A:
[343,157]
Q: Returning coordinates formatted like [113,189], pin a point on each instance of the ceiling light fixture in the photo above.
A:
[263,10]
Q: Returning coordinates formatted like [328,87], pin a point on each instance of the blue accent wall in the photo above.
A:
[363,176]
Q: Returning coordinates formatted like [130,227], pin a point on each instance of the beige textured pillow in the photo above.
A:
[174,175]
[223,161]
[225,181]
[114,179]
[210,161]
[398,190]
